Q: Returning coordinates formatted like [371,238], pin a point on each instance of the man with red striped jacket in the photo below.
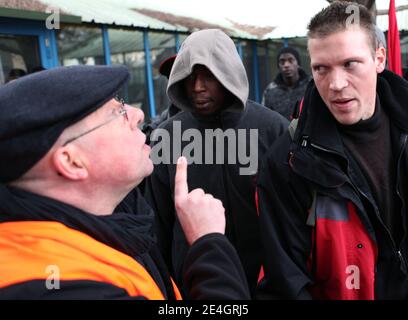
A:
[332,199]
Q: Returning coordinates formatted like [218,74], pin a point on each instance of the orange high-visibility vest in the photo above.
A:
[34,250]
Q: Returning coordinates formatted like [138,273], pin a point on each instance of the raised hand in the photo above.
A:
[199,213]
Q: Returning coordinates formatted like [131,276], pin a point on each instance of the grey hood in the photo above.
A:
[215,50]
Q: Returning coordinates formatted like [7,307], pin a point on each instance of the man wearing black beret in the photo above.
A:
[70,152]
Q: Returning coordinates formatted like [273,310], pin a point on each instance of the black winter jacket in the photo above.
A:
[223,181]
[280,98]
[322,230]
[129,233]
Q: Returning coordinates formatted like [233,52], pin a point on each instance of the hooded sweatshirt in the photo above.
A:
[231,180]
[215,50]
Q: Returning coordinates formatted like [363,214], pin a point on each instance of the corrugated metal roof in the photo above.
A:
[134,13]
[107,12]
[31,9]
[33,5]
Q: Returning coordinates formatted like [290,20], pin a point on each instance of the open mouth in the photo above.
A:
[343,103]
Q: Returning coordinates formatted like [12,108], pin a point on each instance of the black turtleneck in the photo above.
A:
[369,141]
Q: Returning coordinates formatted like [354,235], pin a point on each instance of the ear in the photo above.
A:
[69,164]
[380,59]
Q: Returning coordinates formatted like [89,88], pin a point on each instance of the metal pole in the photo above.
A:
[106,48]
[255,70]
[149,73]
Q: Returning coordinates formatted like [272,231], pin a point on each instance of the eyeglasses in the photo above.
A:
[117,113]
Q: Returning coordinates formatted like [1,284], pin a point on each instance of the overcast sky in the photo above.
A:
[384,4]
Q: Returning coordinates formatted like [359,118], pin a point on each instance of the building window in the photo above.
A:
[182,37]
[162,46]
[247,59]
[263,67]
[80,45]
[272,53]
[126,48]
[19,55]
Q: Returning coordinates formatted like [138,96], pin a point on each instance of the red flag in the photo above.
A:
[394,49]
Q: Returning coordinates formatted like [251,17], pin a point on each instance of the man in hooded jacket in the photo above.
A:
[209,84]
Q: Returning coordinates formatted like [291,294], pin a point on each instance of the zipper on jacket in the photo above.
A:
[402,147]
[401,258]
[328,151]
[393,244]
[398,166]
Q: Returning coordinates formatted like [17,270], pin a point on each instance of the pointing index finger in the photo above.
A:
[181,186]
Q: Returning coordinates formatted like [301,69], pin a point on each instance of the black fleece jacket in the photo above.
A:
[316,161]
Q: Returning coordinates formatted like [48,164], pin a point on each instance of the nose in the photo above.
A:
[199,84]
[338,81]
[136,117]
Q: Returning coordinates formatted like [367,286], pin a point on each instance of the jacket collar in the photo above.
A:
[393,93]
[316,123]
[317,131]
[127,232]
[320,127]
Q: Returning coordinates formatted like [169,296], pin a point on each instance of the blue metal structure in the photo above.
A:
[255,71]
[149,74]
[106,48]
[239,48]
[177,39]
[267,65]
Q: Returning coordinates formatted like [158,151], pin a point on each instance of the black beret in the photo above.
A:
[36,109]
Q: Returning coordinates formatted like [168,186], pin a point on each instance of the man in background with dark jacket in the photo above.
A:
[217,128]
[288,88]
[333,197]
